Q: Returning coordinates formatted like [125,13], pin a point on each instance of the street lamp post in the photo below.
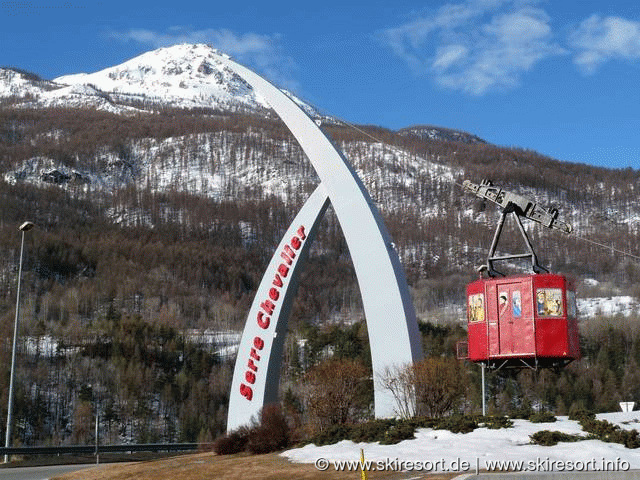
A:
[25,227]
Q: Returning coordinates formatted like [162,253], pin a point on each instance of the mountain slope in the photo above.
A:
[430,132]
[19,84]
[249,157]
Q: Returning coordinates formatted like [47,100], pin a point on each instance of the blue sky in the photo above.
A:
[558,77]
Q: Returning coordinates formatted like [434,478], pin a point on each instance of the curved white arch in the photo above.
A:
[391,322]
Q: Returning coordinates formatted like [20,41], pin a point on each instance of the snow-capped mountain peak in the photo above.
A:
[180,76]
[185,75]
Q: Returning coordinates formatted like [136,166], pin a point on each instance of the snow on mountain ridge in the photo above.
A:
[20,84]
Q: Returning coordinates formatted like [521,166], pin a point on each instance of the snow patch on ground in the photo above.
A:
[484,445]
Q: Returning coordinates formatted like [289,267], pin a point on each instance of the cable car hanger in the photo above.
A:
[518,207]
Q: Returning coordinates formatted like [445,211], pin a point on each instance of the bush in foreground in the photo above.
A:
[548,438]
[234,442]
[495,422]
[542,417]
[391,431]
[608,432]
[270,435]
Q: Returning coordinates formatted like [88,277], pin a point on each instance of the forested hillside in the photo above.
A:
[152,227]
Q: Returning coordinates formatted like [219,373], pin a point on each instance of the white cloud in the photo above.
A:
[448,56]
[263,52]
[478,45]
[598,40]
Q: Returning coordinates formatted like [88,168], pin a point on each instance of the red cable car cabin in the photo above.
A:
[522,321]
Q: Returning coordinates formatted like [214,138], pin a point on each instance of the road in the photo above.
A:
[38,473]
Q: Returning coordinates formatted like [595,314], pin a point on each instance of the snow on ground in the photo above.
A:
[627,420]
[223,342]
[608,306]
[482,446]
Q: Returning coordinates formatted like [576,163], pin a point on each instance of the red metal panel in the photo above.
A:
[551,318]
[573,339]
[477,325]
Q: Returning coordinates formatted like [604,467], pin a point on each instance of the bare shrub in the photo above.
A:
[336,392]
[233,442]
[432,387]
[271,434]
[400,382]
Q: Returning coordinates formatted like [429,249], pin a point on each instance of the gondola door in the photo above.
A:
[515,319]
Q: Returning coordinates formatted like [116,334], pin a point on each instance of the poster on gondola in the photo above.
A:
[476,307]
[549,302]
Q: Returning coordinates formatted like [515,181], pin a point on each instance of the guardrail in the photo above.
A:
[93,449]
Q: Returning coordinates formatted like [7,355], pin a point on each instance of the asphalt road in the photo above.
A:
[38,473]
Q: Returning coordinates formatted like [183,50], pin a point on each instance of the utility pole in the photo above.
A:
[484,394]
[97,435]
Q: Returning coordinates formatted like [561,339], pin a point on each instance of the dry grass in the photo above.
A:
[209,465]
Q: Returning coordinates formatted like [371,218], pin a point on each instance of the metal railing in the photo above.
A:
[93,449]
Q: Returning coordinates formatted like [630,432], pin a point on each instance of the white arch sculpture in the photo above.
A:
[394,337]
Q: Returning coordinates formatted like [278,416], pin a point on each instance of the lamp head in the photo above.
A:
[26,226]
